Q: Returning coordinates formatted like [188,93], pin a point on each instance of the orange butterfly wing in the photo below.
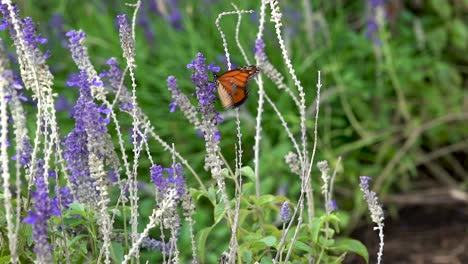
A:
[232,85]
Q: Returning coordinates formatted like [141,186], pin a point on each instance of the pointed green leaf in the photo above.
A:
[303,246]
[316,226]
[269,240]
[219,212]
[351,245]
[248,172]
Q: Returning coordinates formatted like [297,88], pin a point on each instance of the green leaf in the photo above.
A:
[269,240]
[196,194]
[76,239]
[459,34]
[219,212]
[265,199]
[212,195]
[303,246]
[117,252]
[263,243]
[266,260]
[442,8]
[437,39]
[202,235]
[316,226]
[246,256]
[77,209]
[351,245]
[248,172]
[5,259]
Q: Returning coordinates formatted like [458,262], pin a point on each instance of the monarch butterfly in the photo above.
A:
[232,85]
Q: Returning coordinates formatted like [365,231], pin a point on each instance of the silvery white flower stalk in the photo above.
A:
[376,212]
[325,175]
[182,101]
[168,203]
[37,77]
[294,163]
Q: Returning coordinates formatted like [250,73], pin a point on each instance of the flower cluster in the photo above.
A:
[115,77]
[285,212]
[206,95]
[44,207]
[375,208]
[34,70]
[175,179]
[126,38]
[183,102]
[376,10]
[88,136]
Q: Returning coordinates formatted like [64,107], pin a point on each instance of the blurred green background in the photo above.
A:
[394,105]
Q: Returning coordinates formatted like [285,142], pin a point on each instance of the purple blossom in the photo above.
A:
[175,16]
[173,180]
[376,3]
[172,85]
[183,102]
[285,212]
[259,48]
[206,95]
[173,107]
[125,106]
[145,23]
[370,197]
[90,127]
[126,39]
[292,19]
[29,33]
[31,40]
[113,176]
[372,28]
[56,26]
[114,74]
[3,24]
[155,245]
[40,214]
[332,206]
[175,19]
[62,104]
[223,60]
[63,200]
[75,44]
[26,152]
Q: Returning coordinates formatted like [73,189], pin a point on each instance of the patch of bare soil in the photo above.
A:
[432,233]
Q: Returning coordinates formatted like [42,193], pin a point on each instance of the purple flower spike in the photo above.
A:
[40,214]
[259,47]
[285,212]
[332,206]
[205,91]
[370,197]
[89,135]
[126,39]
[172,181]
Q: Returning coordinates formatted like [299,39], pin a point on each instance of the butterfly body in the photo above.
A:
[232,85]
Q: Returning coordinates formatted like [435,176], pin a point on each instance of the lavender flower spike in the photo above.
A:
[182,101]
[89,136]
[375,208]
[285,212]
[39,216]
[126,38]
[376,211]
[206,95]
